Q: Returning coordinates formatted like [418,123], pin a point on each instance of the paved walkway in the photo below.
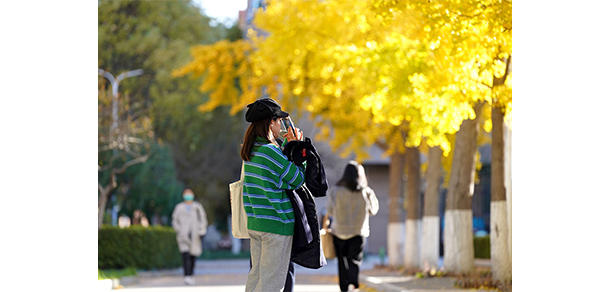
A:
[220,283]
[231,275]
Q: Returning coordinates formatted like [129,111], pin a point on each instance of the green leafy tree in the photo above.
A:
[155,36]
[150,35]
[152,186]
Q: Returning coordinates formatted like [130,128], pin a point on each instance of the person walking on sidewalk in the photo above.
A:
[190,222]
[350,204]
[267,173]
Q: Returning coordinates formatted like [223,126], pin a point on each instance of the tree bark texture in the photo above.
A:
[101,207]
[431,222]
[458,237]
[500,260]
[395,223]
[414,212]
[508,184]
[103,198]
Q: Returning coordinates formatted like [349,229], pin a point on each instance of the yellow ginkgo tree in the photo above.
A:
[472,45]
[370,72]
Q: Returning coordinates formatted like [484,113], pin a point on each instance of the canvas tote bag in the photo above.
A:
[326,239]
[239,219]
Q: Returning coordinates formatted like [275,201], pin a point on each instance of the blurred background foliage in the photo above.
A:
[188,148]
[151,187]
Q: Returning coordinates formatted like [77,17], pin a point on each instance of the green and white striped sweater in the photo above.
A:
[266,176]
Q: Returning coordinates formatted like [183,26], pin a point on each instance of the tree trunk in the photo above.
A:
[459,246]
[500,260]
[431,221]
[101,205]
[413,222]
[508,183]
[103,199]
[395,224]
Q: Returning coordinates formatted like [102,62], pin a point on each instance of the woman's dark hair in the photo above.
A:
[353,178]
[256,129]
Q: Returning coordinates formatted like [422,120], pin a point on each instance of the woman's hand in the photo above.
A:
[290,136]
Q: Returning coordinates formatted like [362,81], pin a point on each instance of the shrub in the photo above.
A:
[137,247]
[482,249]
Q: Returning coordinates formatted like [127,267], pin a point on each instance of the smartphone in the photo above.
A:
[287,125]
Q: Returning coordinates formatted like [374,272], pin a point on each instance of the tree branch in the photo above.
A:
[104,148]
[484,84]
[101,188]
[134,140]
[502,80]
[128,150]
[381,145]
[109,165]
[140,159]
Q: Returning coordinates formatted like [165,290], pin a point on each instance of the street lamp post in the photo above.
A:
[115,93]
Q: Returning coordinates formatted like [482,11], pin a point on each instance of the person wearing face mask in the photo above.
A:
[190,222]
[267,174]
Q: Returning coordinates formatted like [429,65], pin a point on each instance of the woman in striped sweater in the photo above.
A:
[267,173]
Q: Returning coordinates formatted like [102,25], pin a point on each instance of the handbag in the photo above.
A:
[326,239]
[239,219]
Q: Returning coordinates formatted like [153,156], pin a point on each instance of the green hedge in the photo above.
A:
[482,247]
[137,247]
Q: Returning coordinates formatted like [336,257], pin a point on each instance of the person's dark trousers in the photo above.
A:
[289,284]
[188,263]
[349,255]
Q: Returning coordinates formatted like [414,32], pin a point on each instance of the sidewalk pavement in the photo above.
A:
[386,280]
[232,275]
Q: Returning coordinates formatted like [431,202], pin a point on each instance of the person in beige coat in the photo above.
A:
[190,222]
[350,204]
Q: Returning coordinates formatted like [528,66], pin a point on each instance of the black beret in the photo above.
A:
[264,108]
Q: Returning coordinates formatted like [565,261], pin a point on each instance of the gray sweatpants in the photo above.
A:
[270,258]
